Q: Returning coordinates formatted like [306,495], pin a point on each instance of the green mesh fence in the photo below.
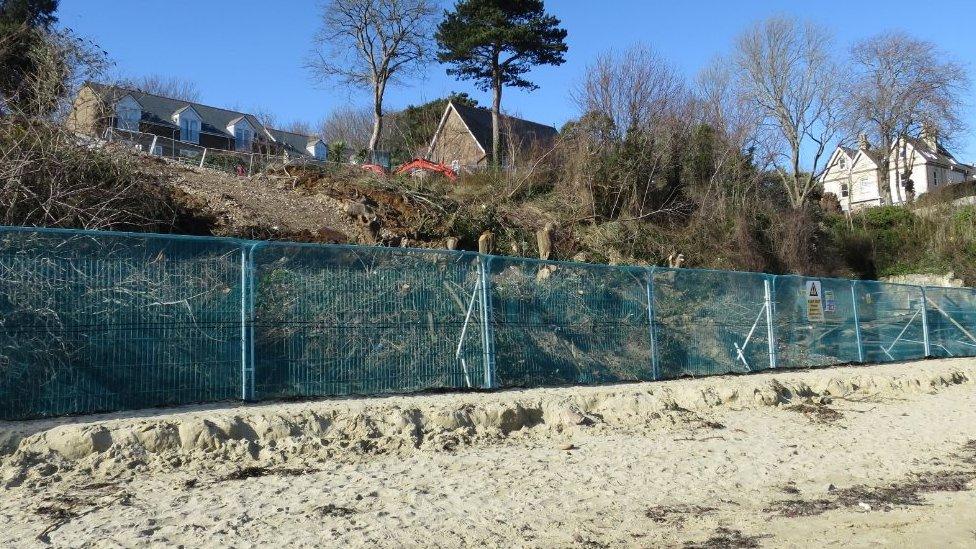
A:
[710,322]
[892,320]
[564,323]
[337,320]
[951,320]
[815,330]
[98,321]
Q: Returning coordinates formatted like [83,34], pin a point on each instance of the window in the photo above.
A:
[844,190]
[189,130]
[127,117]
[842,163]
[243,138]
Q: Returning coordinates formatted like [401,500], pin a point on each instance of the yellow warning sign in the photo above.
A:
[815,311]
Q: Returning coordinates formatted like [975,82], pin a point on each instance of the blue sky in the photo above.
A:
[249,54]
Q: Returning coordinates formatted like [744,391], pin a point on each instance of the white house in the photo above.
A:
[853,174]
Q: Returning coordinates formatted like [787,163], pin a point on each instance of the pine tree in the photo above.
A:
[495,43]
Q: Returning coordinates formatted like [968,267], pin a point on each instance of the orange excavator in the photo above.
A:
[415,165]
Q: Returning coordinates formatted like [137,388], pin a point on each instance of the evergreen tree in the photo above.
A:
[495,43]
[22,27]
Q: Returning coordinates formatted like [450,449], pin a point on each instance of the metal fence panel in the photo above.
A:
[99,321]
[710,322]
[952,321]
[815,322]
[891,321]
[559,323]
[338,320]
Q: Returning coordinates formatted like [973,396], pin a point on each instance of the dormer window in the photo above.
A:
[128,112]
[243,138]
[189,130]
[189,122]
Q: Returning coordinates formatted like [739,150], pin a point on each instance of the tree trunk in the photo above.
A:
[884,182]
[496,142]
[884,169]
[374,139]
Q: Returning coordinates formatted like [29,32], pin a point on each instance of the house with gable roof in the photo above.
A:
[99,107]
[463,139]
[916,164]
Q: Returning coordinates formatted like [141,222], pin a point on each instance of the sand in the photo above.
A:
[853,456]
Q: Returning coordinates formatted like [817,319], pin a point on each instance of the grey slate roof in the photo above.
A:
[293,141]
[478,121]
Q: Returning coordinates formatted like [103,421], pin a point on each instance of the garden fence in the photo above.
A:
[101,321]
[233,162]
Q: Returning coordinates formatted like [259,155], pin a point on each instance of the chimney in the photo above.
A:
[862,142]
[930,136]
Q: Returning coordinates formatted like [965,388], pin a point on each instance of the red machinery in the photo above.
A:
[415,165]
[422,164]
[375,168]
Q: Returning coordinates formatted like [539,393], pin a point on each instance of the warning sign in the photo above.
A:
[815,310]
[830,304]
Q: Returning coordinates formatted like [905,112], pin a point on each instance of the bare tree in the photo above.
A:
[733,177]
[351,125]
[265,116]
[166,86]
[904,87]
[634,89]
[301,127]
[372,43]
[784,71]
[637,105]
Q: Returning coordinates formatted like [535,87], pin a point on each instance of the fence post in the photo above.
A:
[203,156]
[925,323]
[247,320]
[650,322]
[857,323]
[487,332]
[770,332]
[245,340]
[152,146]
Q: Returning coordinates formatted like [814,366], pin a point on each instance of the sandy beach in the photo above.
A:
[867,456]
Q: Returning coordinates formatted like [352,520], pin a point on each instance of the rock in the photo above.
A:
[831,487]
[568,446]
[864,506]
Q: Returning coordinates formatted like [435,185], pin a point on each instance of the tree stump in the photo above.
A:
[486,243]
